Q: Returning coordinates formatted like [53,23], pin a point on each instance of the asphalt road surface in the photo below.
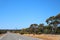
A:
[12,36]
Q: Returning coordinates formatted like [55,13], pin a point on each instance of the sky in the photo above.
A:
[18,14]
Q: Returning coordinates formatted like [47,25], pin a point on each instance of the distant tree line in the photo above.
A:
[3,31]
[52,27]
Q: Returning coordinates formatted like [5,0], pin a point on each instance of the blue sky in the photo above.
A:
[17,14]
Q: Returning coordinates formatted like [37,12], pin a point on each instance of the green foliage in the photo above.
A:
[52,27]
[54,21]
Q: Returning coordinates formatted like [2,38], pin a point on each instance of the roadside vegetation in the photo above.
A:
[35,30]
[52,27]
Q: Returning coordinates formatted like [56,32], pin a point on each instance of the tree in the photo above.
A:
[47,29]
[41,27]
[53,21]
[33,28]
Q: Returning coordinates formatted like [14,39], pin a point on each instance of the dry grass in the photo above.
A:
[45,36]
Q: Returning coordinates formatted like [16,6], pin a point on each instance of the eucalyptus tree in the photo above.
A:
[33,28]
[54,21]
[41,27]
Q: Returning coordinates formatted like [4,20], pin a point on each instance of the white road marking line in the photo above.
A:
[3,36]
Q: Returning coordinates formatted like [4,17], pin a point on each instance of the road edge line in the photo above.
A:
[3,36]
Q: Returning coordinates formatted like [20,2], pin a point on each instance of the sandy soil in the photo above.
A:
[1,35]
[45,36]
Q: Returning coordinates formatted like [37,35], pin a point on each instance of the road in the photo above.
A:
[12,36]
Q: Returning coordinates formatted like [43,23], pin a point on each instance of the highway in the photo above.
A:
[12,36]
